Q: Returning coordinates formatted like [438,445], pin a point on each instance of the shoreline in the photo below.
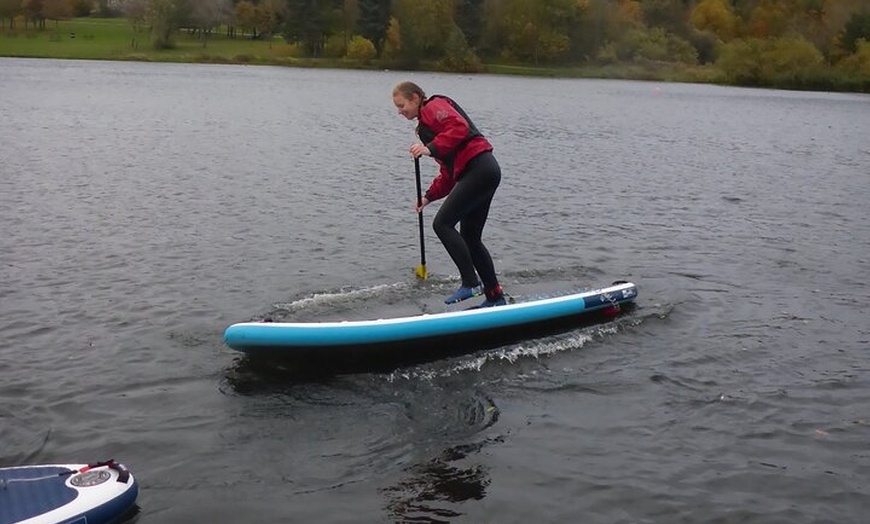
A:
[116,40]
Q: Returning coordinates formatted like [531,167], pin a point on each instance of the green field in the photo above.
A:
[115,39]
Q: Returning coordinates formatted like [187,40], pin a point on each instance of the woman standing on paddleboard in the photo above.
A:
[469,175]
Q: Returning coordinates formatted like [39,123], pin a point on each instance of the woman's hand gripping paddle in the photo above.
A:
[420,271]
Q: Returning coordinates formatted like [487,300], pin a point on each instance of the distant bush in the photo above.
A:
[607,54]
[651,44]
[335,47]
[758,62]
[706,44]
[361,48]
[792,54]
[857,64]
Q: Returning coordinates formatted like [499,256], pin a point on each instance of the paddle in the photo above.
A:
[420,271]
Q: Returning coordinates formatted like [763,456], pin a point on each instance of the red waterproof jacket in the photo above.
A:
[452,139]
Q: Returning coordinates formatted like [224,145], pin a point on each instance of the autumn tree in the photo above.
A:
[57,10]
[769,18]
[259,20]
[392,48]
[811,21]
[424,27]
[717,17]
[270,15]
[245,17]
[32,11]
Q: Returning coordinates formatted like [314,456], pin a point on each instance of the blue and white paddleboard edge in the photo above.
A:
[251,336]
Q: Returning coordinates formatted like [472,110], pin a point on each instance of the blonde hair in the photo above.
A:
[408,89]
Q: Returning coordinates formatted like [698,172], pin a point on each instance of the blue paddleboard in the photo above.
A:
[99,493]
[514,321]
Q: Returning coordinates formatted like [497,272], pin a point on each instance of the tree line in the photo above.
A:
[752,42]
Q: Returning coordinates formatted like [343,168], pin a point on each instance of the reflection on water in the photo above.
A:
[433,491]
[417,499]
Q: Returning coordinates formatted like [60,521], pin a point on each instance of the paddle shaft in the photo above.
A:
[420,216]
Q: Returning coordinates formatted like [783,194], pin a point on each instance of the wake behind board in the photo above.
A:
[483,327]
[99,493]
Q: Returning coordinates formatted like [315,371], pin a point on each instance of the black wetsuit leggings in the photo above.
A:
[468,205]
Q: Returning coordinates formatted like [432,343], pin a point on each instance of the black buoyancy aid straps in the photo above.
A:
[427,135]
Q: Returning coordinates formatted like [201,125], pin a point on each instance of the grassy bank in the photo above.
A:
[663,72]
[116,39]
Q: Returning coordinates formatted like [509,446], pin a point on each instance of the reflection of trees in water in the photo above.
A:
[438,481]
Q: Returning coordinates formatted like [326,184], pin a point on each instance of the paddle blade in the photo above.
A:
[421,272]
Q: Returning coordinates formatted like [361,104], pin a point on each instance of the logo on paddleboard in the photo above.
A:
[90,478]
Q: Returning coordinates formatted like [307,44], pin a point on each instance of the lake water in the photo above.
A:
[145,207]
